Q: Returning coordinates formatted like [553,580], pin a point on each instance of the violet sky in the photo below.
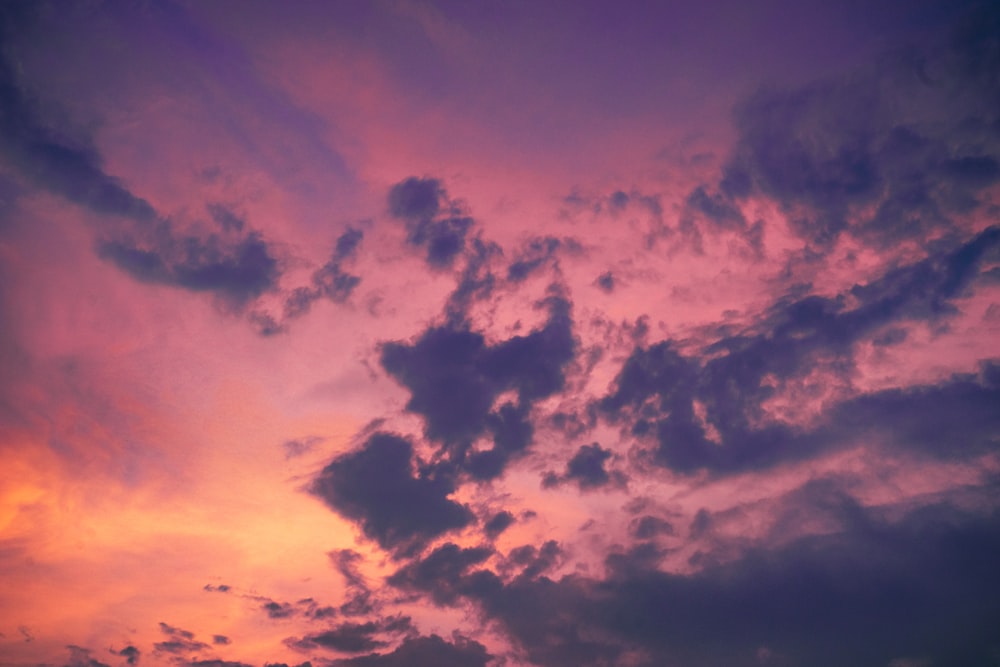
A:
[481,334]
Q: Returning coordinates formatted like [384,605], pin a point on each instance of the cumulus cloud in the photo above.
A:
[455,378]
[397,506]
[587,469]
[433,222]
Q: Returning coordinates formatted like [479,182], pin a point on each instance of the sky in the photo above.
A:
[499,334]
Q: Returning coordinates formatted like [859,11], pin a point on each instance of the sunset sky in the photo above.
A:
[500,333]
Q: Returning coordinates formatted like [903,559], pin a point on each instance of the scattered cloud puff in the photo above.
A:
[396,505]
[455,377]
[352,637]
[587,470]
[433,222]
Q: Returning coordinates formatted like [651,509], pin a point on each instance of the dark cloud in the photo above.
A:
[431,651]
[432,221]
[221,588]
[229,221]
[347,244]
[238,272]
[80,657]
[454,378]
[901,146]
[498,523]
[300,446]
[647,527]
[658,389]
[330,281]
[530,562]
[217,663]
[220,640]
[359,602]
[346,561]
[874,591]
[376,486]
[179,645]
[351,637]
[476,281]
[717,208]
[334,283]
[953,420]
[538,253]
[512,432]
[278,609]
[444,239]
[68,167]
[130,653]
[433,573]
[606,281]
[171,630]
[416,198]
[586,469]
[346,638]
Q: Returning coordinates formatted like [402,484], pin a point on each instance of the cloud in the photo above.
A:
[68,167]
[476,281]
[130,653]
[606,282]
[418,201]
[430,651]
[952,420]
[498,523]
[440,569]
[536,253]
[80,657]
[416,198]
[658,390]
[299,446]
[181,641]
[890,153]
[236,267]
[454,378]
[171,630]
[229,221]
[236,271]
[359,596]
[278,609]
[716,207]
[347,244]
[586,468]
[377,486]
[330,281]
[444,239]
[920,585]
[349,637]
[648,527]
